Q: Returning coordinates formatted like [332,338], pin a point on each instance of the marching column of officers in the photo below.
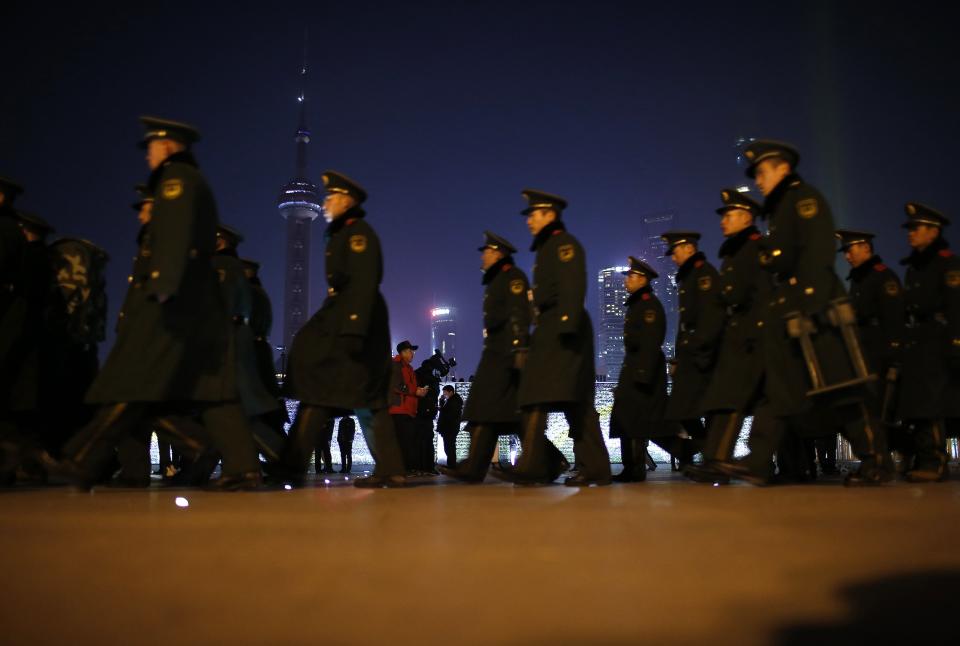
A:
[772,334]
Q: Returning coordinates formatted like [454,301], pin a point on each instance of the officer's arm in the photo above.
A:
[816,242]
[710,313]
[172,233]
[496,309]
[951,307]
[652,329]
[571,267]
[363,265]
[519,313]
[891,315]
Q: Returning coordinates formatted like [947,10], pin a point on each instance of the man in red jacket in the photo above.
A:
[404,397]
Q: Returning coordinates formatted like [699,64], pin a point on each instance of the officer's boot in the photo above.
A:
[589,449]
[931,460]
[722,432]
[627,456]
[189,439]
[381,438]
[870,442]
[533,467]
[301,442]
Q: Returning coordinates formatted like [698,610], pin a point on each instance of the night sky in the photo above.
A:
[445,111]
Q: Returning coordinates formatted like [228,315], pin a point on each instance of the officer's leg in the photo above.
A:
[378,431]
[627,459]
[227,426]
[766,435]
[869,441]
[534,464]
[92,447]
[589,449]
[133,451]
[302,440]
[483,442]
[723,429]
[931,457]
[450,448]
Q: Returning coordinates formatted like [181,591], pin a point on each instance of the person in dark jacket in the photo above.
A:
[742,291]
[322,457]
[799,253]
[559,374]
[491,409]
[450,407]
[698,335]
[340,360]
[346,429]
[640,398]
[930,385]
[426,414]
[171,344]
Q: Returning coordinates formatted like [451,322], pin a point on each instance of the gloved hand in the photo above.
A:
[519,359]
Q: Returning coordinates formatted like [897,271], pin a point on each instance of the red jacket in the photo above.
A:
[407,400]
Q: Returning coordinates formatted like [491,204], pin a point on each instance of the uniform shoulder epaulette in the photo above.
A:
[755,236]
[945,253]
[351,221]
[645,297]
[698,264]
[879,267]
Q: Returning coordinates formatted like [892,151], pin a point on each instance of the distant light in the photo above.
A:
[326,481]
[180,501]
[300,98]
[743,189]
[440,311]
[288,487]
[346,477]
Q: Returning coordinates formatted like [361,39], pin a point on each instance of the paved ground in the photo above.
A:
[666,562]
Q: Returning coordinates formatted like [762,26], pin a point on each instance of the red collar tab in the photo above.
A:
[879,267]
[645,297]
[557,232]
[351,221]
[698,264]
[755,236]
[945,253]
[506,267]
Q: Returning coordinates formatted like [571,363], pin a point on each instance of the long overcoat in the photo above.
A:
[171,351]
[506,328]
[640,398]
[560,367]
[341,357]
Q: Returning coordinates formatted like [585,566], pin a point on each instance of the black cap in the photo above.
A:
[673,238]
[406,345]
[734,199]
[848,237]
[35,222]
[762,149]
[93,248]
[232,237]
[157,128]
[9,187]
[497,243]
[541,200]
[145,196]
[921,214]
[336,182]
[637,266]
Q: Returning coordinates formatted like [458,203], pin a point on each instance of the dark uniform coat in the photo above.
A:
[929,385]
[560,366]
[172,351]
[241,352]
[744,293]
[506,327]
[877,298]
[640,398]
[261,321]
[449,413]
[701,320]
[799,251]
[341,357]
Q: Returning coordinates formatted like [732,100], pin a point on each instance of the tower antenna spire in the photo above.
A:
[303,132]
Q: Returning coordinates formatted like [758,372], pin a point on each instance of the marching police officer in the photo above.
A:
[930,387]
[877,298]
[743,290]
[491,409]
[805,354]
[701,320]
[170,344]
[340,360]
[559,374]
[640,398]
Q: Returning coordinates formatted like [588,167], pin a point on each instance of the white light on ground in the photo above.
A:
[180,501]
[287,487]
[326,481]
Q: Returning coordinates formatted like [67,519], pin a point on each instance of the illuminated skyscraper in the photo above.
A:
[299,205]
[443,331]
[613,295]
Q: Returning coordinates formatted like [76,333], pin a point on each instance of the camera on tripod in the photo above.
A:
[439,365]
